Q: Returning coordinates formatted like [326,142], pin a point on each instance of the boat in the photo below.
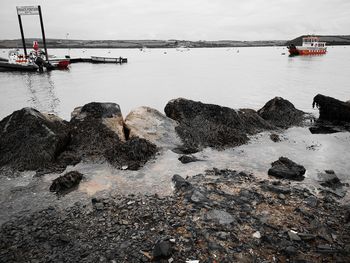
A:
[95,59]
[310,46]
[33,62]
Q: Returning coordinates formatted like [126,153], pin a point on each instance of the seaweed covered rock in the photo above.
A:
[30,140]
[150,124]
[281,112]
[66,182]
[97,132]
[287,169]
[203,125]
[132,154]
[332,109]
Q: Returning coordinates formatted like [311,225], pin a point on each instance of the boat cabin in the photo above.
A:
[312,41]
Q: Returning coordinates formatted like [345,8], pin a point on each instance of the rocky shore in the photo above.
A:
[219,215]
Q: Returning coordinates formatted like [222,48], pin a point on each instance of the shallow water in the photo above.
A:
[316,152]
[219,75]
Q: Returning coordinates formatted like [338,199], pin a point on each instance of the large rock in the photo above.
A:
[332,109]
[30,140]
[281,112]
[66,182]
[150,124]
[287,169]
[328,178]
[203,125]
[98,132]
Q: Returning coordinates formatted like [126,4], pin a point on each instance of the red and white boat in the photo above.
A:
[310,46]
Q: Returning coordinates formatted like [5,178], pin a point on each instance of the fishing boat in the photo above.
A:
[310,46]
[35,61]
[107,60]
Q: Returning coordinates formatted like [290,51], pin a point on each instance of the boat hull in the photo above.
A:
[306,52]
[5,66]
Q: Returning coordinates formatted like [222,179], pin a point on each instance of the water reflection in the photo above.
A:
[42,94]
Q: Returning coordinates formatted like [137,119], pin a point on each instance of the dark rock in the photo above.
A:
[311,201]
[203,125]
[188,159]
[276,189]
[281,113]
[327,127]
[290,250]
[185,150]
[181,183]
[275,137]
[133,153]
[162,250]
[287,169]
[66,182]
[30,140]
[332,109]
[98,132]
[329,179]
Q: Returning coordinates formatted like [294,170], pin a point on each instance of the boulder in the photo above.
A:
[207,125]
[66,182]
[31,140]
[150,124]
[97,132]
[281,113]
[332,109]
[287,169]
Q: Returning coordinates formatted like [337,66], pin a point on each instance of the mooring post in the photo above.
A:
[22,35]
[43,33]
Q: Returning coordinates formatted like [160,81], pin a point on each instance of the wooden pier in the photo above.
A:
[119,60]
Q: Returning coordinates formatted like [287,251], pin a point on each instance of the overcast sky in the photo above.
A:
[179,19]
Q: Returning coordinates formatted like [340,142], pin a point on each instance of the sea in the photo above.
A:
[234,77]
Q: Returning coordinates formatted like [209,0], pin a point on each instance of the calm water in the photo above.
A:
[221,76]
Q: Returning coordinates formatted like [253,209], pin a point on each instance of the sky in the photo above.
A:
[179,19]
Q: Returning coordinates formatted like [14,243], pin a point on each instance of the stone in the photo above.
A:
[311,201]
[220,216]
[208,125]
[257,235]
[275,137]
[97,132]
[281,113]
[328,178]
[188,159]
[66,182]
[287,169]
[282,196]
[180,183]
[198,197]
[162,250]
[30,140]
[150,124]
[293,236]
[290,250]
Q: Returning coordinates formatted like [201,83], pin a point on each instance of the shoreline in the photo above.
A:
[224,214]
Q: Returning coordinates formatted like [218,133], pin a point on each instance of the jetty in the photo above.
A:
[119,60]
